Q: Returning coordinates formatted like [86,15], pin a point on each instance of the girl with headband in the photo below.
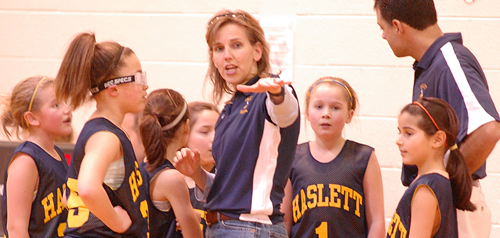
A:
[427,131]
[164,129]
[335,187]
[255,137]
[35,177]
[106,194]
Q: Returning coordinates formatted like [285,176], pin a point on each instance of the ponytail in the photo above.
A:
[461,181]
[86,64]
[163,115]
[74,77]
[155,145]
[8,120]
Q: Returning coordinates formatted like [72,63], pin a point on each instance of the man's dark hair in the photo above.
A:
[418,14]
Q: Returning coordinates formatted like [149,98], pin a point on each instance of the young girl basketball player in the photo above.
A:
[202,119]
[427,130]
[36,175]
[164,129]
[336,184]
[106,193]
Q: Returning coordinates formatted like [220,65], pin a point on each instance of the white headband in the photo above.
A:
[177,119]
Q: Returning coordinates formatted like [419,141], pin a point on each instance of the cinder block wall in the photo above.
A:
[335,38]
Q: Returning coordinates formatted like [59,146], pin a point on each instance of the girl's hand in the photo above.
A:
[187,162]
[271,85]
[178,225]
[125,219]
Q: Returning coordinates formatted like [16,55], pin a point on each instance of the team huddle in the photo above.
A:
[191,170]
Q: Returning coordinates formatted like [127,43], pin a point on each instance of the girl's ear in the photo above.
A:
[183,130]
[183,133]
[112,91]
[439,139]
[30,118]
[349,116]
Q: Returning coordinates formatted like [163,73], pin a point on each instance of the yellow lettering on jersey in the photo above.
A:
[145,212]
[135,181]
[60,229]
[317,198]
[202,215]
[393,225]
[390,229]
[134,189]
[295,209]
[303,201]
[396,225]
[402,230]
[334,195]
[48,207]
[359,201]
[347,192]
[311,195]
[78,214]
[60,206]
[53,207]
[139,176]
[321,203]
[322,230]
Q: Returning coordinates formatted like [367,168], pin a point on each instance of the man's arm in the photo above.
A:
[478,145]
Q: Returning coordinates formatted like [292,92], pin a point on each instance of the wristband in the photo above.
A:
[281,93]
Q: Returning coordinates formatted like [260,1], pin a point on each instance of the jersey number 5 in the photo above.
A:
[77,214]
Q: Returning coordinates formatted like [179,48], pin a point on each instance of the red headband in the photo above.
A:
[428,114]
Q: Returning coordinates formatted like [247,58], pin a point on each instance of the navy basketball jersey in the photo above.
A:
[441,187]
[200,207]
[162,224]
[48,215]
[328,198]
[131,195]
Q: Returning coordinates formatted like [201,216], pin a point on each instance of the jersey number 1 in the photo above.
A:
[322,230]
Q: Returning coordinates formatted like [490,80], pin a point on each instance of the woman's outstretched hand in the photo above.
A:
[271,85]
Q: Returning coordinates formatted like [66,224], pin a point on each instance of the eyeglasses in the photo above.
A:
[138,78]
[229,15]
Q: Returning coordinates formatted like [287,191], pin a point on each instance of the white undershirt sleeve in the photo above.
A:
[286,112]
[202,195]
